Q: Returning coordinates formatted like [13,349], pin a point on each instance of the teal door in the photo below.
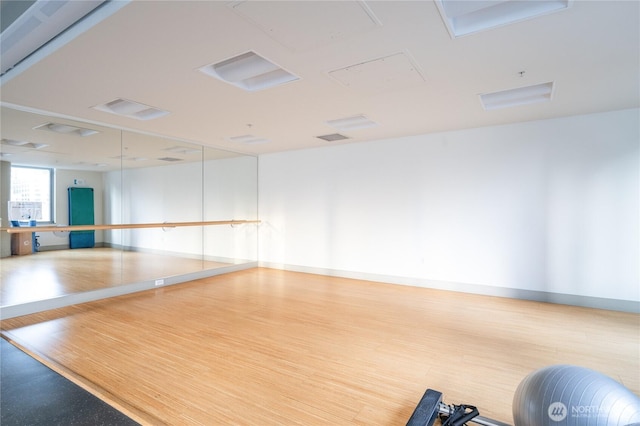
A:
[81,213]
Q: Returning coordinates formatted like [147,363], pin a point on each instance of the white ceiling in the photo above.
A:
[150,52]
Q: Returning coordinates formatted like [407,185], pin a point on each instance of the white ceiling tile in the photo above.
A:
[391,72]
[305,25]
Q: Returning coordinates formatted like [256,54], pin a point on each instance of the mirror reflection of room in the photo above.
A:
[58,173]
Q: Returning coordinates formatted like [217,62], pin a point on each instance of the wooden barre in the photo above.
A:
[24,229]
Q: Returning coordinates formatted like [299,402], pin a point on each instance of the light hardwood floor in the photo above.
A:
[56,273]
[269,347]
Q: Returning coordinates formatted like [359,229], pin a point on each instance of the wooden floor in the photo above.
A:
[270,347]
[56,273]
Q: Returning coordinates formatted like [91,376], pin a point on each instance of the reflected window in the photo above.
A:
[34,184]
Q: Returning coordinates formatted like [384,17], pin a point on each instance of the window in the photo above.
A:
[34,184]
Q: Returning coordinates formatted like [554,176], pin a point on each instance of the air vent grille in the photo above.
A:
[333,137]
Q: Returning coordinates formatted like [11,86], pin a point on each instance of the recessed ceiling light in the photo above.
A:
[66,129]
[464,17]
[248,139]
[351,123]
[249,71]
[184,150]
[13,142]
[131,109]
[84,163]
[333,137]
[519,96]
[23,144]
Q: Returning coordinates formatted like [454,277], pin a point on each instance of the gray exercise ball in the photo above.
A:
[567,395]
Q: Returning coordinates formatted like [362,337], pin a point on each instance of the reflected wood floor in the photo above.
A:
[271,347]
[56,273]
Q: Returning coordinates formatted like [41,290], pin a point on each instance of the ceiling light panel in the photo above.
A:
[351,123]
[66,129]
[519,96]
[463,17]
[184,150]
[23,144]
[131,109]
[249,71]
[248,139]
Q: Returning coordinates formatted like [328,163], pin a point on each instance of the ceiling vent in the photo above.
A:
[351,123]
[250,72]
[248,139]
[333,137]
[463,17]
[520,96]
[170,159]
[66,129]
[131,109]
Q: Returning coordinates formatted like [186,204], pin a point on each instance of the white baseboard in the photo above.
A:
[513,293]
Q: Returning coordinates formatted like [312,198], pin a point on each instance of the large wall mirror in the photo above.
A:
[166,211]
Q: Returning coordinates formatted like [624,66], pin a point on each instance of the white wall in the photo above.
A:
[548,206]
[210,191]
[231,192]
[163,194]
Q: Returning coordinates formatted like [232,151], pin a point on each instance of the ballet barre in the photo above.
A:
[70,228]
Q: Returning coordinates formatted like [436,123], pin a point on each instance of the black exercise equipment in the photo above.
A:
[431,407]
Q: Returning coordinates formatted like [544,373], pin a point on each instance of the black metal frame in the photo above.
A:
[431,407]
